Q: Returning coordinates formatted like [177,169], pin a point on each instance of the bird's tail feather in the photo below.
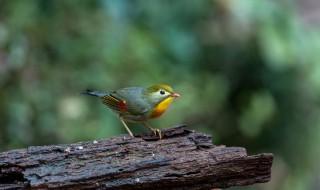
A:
[94,93]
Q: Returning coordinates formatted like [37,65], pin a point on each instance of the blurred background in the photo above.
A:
[248,72]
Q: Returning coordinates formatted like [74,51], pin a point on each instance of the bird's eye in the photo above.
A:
[162,92]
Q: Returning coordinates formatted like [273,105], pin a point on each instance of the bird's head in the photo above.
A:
[160,92]
[160,96]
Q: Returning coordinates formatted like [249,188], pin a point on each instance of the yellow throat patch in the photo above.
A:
[161,107]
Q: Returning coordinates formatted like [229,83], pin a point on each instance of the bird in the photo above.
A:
[137,104]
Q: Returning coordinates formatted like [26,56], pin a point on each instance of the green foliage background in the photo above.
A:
[248,72]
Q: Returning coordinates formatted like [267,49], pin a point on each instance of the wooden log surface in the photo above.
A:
[183,159]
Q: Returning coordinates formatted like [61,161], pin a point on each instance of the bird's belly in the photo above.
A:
[134,118]
[157,113]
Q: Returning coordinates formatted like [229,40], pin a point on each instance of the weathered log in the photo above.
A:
[183,159]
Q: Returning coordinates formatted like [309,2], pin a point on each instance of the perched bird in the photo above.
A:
[138,104]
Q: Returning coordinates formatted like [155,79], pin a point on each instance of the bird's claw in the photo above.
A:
[157,132]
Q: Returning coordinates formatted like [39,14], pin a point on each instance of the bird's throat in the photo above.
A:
[161,107]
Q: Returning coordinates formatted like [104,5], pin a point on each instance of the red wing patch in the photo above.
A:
[122,106]
[115,103]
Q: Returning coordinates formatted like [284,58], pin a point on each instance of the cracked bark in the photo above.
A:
[184,159]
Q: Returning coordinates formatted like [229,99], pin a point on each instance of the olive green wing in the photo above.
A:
[115,103]
[134,98]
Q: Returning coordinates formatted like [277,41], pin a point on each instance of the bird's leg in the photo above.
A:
[155,131]
[126,126]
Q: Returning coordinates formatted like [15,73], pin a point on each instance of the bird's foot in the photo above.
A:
[157,132]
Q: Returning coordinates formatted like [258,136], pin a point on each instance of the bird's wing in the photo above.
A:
[134,99]
[115,103]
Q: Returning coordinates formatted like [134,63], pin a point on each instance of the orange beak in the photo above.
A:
[175,95]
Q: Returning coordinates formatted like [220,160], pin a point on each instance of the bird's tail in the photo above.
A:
[94,93]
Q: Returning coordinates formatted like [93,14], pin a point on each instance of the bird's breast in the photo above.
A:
[160,108]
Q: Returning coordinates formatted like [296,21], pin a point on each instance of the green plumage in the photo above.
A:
[134,98]
[133,103]
[137,104]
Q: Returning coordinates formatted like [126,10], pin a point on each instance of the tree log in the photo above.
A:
[183,159]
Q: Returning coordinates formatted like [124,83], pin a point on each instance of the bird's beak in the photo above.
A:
[175,95]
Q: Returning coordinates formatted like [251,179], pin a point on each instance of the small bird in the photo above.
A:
[138,104]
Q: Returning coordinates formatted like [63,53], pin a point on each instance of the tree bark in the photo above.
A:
[183,159]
